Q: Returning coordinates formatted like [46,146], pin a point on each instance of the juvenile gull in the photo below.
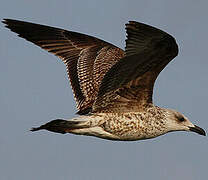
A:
[112,87]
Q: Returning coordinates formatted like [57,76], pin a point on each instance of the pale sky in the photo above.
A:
[35,90]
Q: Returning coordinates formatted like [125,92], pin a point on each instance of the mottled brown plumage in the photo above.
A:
[112,88]
[87,58]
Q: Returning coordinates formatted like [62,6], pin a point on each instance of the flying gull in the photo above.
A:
[112,87]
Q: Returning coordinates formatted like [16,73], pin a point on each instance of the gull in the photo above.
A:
[112,87]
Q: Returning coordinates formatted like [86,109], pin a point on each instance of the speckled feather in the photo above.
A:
[112,87]
[128,126]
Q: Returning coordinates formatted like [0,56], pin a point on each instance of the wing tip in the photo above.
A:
[11,24]
[5,22]
[131,22]
[8,21]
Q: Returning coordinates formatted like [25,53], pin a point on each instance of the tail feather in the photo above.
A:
[61,126]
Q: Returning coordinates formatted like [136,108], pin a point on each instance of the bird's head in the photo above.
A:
[178,122]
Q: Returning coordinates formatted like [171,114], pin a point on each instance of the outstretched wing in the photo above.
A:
[87,58]
[128,85]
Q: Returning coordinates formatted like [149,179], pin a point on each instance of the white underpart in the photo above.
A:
[95,131]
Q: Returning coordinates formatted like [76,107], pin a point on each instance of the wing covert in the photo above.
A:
[130,81]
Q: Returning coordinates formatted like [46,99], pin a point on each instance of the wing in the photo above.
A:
[87,58]
[128,85]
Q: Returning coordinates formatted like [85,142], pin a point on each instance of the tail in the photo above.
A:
[62,126]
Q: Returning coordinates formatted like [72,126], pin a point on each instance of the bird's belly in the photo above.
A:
[131,130]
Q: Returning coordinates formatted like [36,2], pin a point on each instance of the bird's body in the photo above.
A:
[112,87]
[124,126]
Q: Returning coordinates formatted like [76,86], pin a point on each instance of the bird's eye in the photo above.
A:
[181,119]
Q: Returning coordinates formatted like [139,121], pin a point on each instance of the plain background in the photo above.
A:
[34,89]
